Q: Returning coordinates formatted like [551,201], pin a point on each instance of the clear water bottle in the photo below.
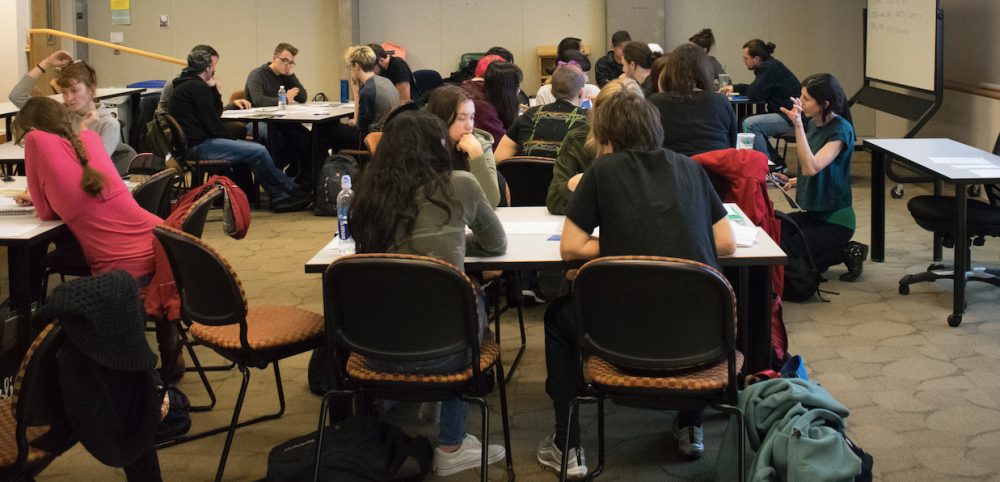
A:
[282,98]
[343,206]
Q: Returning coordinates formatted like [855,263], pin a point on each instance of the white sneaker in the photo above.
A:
[550,457]
[430,412]
[690,440]
[468,456]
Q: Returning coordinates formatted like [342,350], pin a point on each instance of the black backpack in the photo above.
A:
[802,277]
[328,184]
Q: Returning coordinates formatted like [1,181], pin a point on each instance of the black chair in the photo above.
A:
[200,168]
[155,193]
[23,420]
[528,178]
[146,164]
[429,309]
[936,214]
[656,333]
[214,307]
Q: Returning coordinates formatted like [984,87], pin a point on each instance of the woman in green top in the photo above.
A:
[824,149]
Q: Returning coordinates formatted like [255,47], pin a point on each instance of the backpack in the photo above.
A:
[802,277]
[358,448]
[328,184]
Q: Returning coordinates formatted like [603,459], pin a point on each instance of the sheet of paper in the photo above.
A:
[542,227]
[986,172]
[13,230]
[333,245]
[959,160]
[745,236]
[6,201]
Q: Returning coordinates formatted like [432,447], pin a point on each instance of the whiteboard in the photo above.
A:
[901,42]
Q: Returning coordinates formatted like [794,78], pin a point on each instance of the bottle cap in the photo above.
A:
[345,181]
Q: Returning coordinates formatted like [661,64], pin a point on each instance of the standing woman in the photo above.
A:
[79,85]
[823,187]
[471,149]
[409,200]
[71,177]
[638,63]
[706,40]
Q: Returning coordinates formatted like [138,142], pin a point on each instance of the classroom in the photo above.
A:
[905,368]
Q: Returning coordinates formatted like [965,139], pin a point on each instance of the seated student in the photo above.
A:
[648,201]
[610,66]
[71,177]
[541,129]
[494,92]
[396,70]
[507,56]
[772,83]
[695,118]
[569,57]
[375,97]
[197,106]
[823,187]
[78,82]
[656,73]
[292,144]
[638,63]
[410,200]
[470,148]
[706,40]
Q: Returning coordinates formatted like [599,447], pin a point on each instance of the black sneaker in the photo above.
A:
[290,204]
[855,254]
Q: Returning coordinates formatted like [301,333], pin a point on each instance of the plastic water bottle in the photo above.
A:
[343,206]
[282,98]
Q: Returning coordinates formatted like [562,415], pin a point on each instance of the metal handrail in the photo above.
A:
[87,40]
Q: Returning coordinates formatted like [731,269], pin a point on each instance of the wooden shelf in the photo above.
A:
[547,60]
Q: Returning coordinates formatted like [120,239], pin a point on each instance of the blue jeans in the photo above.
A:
[763,126]
[275,182]
[454,412]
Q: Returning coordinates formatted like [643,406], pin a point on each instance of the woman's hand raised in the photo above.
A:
[795,113]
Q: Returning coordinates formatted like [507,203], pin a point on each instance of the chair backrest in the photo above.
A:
[655,313]
[400,307]
[210,292]
[427,80]
[528,179]
[146,164]
[36,387]
[175,136]
[194,221]
[372,140]
[154,193]
[396,110]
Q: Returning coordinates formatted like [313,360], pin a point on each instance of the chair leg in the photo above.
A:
[324,407]
[600,438]
[574,405]
[741,457]
[233,424]
[485,411]
[524,336]
[201,374]
[505,420]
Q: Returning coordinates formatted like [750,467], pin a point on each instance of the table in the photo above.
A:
[21,234]
[925,156]
[8,110]
[744,108]
[315,113]
[530,247]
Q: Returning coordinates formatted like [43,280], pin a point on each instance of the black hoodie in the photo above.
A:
[607,69]
[197,108]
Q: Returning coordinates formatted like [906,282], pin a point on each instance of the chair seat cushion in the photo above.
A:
[714,377]
[937,213]
[267,327]
[8,444]
[357,367]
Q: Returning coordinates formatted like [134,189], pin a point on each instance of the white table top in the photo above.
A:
[951,160]
[308,112]
[107,93]
[532,243]
[11,152]
[8,109]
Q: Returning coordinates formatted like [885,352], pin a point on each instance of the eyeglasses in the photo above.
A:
[286,61]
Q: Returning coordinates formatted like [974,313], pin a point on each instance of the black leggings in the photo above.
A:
[826,240]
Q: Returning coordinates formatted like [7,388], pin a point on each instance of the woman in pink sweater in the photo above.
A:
[71,177]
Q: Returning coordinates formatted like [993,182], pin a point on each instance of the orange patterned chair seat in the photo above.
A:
[8,444]
[711,378]
[267,327]
[357,367]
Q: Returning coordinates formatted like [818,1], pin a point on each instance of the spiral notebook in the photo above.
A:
[10,208]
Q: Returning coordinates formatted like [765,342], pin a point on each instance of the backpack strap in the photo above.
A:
[784,218]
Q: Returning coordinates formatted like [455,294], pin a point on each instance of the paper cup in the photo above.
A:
[744,141]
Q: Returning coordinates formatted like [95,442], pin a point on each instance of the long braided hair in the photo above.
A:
[45,114]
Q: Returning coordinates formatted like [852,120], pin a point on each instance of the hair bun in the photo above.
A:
[769,47]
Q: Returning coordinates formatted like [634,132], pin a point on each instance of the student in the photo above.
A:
[410,200]
[78,82]
[638,63]
[471,148]
[396,70]
[71,177]
[197,106]
[235,129]
[774,84]
[375,95]
[292,141]
[695,118]
[823,187]
[495,95]
[507,56]
[648,201]
[541,129]
[656,74]
[610,66]
[571,58]
[706,40]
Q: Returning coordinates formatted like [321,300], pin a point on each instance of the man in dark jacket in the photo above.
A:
[197,106]
[773,84]
[610,66]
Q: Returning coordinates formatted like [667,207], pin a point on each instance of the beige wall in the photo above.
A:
[13,28]
[243,31]
[440,31]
